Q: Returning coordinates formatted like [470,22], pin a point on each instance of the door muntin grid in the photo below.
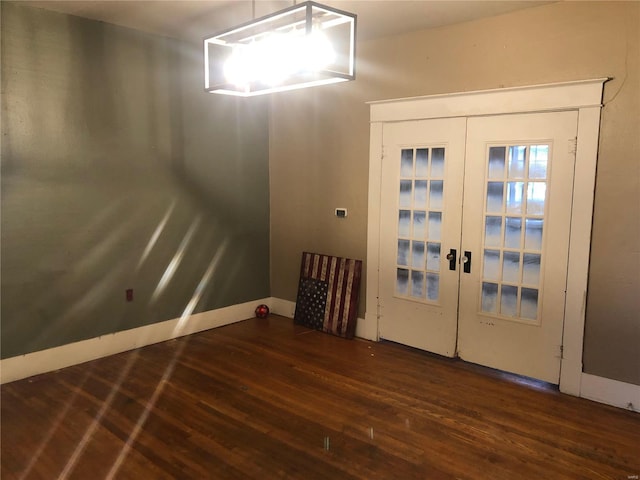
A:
[420,216]
[515,201]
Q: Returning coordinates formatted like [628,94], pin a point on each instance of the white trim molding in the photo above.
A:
[535,98]
[36,363]
[579,248]
[611,392]
[367,328]
[603,390]
[372,294]
[282,307]
[28,365]
[583,96]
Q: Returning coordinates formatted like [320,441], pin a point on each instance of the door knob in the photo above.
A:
[451,256]
[466,261]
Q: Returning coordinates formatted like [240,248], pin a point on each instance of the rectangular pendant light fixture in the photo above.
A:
[301,46]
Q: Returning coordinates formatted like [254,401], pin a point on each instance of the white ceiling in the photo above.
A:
[198,18]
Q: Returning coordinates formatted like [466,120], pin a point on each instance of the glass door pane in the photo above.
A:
[511,266]
[420,216]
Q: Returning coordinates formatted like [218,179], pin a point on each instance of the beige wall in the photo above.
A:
[319,146]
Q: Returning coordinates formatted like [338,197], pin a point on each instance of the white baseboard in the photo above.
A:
[28,365]
[599,389]
[611,392]
[367,327]
[283,307]
[23,366]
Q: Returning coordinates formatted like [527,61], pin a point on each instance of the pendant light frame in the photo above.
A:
[293,23]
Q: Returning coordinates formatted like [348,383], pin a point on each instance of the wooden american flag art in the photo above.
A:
[328,294]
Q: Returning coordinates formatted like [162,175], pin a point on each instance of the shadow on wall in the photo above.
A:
[110,183]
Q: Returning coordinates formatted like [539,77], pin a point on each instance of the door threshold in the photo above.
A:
[462,364]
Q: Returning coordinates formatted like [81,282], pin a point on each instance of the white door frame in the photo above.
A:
[585,97]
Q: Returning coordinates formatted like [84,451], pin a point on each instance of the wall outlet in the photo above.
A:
[341,212]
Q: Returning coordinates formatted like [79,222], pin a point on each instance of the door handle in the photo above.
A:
[452,256]
[466,261]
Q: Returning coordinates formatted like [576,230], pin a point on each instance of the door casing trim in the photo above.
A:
[583,96]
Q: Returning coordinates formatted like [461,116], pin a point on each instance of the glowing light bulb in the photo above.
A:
[279,63]
[239,67]
[276,57]
[320,53]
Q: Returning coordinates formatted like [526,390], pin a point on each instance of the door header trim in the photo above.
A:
[536,98]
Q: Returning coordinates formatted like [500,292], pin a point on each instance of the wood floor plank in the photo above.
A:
[268,399]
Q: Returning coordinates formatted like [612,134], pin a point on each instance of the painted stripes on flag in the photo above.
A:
[342,279]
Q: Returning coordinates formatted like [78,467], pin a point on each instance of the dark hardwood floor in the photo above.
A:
[268,399]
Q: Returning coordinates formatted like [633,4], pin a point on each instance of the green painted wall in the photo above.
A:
[119,172]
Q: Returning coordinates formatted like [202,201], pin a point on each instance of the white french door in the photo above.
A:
[474,237]
[421,213]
